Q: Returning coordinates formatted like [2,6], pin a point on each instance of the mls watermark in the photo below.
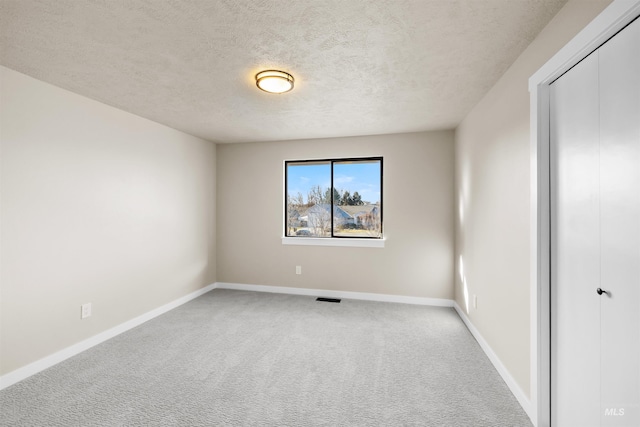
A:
[614,412]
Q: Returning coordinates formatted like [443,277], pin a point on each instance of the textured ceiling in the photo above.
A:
[361,67]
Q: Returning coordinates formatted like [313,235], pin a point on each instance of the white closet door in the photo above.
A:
[595,216]
[575,305]
[619,68]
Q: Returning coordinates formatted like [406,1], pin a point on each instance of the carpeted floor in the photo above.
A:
[255,359]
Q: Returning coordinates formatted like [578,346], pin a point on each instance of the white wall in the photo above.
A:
[417,259]
[493,196]
[100,206]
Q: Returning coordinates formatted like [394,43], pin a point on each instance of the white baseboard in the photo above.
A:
[439,302]
[502,370]
[55,358]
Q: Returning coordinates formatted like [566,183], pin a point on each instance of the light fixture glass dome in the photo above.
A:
[274,81]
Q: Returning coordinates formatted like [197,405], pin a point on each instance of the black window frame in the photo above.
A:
[332,189]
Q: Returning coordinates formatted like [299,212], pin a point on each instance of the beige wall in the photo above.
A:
[493,198]
[98,206]
[418,218]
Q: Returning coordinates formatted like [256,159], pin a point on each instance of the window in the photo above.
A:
[339,198]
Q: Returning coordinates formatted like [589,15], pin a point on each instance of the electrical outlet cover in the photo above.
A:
[85,310]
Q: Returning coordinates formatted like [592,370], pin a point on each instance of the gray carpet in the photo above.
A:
[256,359]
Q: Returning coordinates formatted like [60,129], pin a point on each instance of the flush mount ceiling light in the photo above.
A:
[274,81]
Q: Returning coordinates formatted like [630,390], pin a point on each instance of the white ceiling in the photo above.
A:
[361,67]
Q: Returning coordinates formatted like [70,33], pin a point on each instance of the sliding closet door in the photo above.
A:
[575,306]
[619,68]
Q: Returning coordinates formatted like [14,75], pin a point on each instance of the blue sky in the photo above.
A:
[361,177]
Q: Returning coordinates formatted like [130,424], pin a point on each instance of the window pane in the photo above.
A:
[357,199]
[308,199]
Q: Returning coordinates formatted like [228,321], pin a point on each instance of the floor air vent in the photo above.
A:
[328,299]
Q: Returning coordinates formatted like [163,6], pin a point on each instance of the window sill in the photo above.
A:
[328,241]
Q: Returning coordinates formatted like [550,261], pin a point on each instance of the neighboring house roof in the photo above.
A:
[324,207]
[302,210]
[295,213]
[339,211]
[355,211]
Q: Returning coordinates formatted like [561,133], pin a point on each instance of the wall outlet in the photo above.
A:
[475,301]
[85,310]
[298,269]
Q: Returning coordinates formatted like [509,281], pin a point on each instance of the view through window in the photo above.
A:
[334,198]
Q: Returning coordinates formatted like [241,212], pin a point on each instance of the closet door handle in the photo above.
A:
[600,291]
